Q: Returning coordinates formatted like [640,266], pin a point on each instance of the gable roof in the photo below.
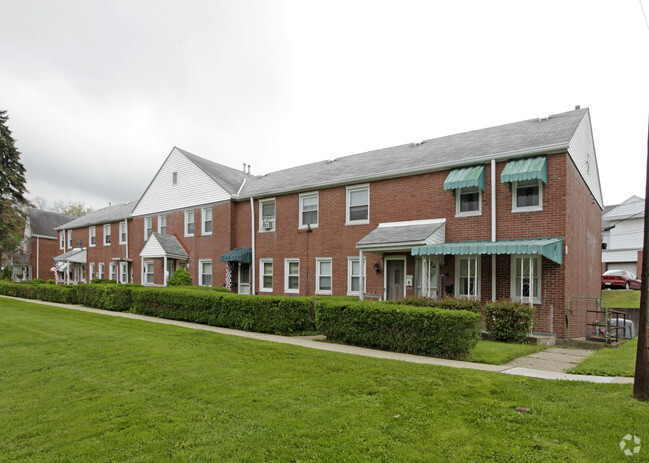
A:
[160,245]
[43,223]
[631,208]
[228,178]
[106,215]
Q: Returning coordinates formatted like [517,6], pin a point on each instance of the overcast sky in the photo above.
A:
[98,93]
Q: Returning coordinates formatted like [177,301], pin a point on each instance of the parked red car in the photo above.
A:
[620,279]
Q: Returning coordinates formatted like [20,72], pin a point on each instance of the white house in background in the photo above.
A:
[622,236]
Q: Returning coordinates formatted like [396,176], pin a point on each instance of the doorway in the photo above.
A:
[244,278]
[395,270]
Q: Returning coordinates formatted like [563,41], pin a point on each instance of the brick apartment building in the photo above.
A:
[512,211]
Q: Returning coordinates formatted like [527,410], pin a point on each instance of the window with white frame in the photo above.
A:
[468,201]
[107,234]
[174,178]
[102,270]
[354,276]
[162,224]
[309,210]
[92,272]
[527,195]
[292,275]
[189,223]
[526,279]
[358,204]
[205,269]
[92,238]
[123,272]
[148,227]
[113,271]
[62,239]
[323,275]
[207,221]
[148,272]
[122,233]
[467,276]
[70,239]
[265,274]
[267,215]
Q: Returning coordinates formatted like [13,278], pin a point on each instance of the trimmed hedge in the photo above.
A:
[414,330]
[118,298]
[262,314]
[449,303]
[509,321]
[65,294]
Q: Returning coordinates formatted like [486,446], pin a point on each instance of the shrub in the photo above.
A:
[51,282]
[103,281]
[509,321]
[180,278]
[6,274]
[36,281]
[118,298]
[448,303]
[415,330]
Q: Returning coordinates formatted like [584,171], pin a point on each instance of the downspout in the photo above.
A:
[252,232]
[493,228]
[126,230]
[37,257]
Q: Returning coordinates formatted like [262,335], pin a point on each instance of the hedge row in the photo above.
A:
[414,330]
[449,303]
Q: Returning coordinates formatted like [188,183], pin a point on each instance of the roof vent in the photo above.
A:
[577,107]
[543,118]
[244,167]
[329,161]
[417,143]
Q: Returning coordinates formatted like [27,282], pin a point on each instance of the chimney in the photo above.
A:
[577,107]
[244,167]
[248,169]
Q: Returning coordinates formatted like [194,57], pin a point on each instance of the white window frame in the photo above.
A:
[148,227]
[473,258]
[174,178]
[204,232]
[102,270]
[318,262]
[62,239]
[122,232]
[304,196]
[349,191]
[458,202]
[193,222]
[69,239]
[536,296]
[350,262]
[145,274]
[526,183]
[123,272]
[287,263]
[92,236]
[162,218]
[262,274]
[267,224]
[91,270]
[201,262]
[107,235]
[112,267]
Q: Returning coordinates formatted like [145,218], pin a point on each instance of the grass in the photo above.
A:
[621,298]
[498,353]
[76,386]
[614,361]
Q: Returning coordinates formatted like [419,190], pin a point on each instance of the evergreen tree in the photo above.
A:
[12,191]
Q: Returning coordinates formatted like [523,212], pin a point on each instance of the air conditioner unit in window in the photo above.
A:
[268,224]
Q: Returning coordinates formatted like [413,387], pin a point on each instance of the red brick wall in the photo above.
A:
[41,252]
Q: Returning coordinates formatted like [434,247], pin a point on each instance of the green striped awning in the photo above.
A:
[551,248]
[238,255]
[465,177]
[525,169]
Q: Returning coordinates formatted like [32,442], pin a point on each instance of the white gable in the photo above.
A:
[193,187]
[582,152]
[152,248]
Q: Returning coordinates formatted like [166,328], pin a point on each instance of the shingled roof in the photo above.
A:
[44,223]
[106,215]
[228,178]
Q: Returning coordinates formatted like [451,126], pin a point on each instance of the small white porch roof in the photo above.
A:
[403,236]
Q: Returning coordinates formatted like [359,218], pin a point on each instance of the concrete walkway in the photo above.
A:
[550,364]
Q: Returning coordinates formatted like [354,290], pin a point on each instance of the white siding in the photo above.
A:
[628,266]
[194,187]
[152,249]
[627,235]
[582,152]
[620,256]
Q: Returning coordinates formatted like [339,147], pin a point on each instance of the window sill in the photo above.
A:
[92,245]
[528,209]
[358,222]
[268,231]
[526,301]
[468,214]
[306,227]
[292,291]
[189,236]
[323,293]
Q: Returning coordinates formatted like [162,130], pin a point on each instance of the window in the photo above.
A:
[358,204]
[102,272]
[70,239]
[527,196]
[467,276]
[123,272]
[148,272]
[92,232]
[309,210]
[189,223]
[122,232]
[526,269]
[174,178]
[266,275]
[62,239]
[207,221]
[354,276]
[468,201]
[107,234]
[148,227]
[292,275]
[92,272]
[323,275]
[267,215]
[162,224]
[113,271]
[205,268]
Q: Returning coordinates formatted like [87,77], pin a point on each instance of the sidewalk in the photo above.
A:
[545,366]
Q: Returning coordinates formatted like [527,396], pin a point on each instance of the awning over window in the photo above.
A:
[238,255]
[550,248]
[525,169]
[465,177]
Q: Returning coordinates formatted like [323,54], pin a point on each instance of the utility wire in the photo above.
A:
[643,14]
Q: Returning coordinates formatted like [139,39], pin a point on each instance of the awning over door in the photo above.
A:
[465,177]
[76,256]
[525,169]
[159,245]
[551,248]
[238,255]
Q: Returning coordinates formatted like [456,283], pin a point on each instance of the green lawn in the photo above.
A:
[499,353]
[76,386]
[614,361]
[621,298]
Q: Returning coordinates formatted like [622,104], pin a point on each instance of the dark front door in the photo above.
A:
[395,276]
